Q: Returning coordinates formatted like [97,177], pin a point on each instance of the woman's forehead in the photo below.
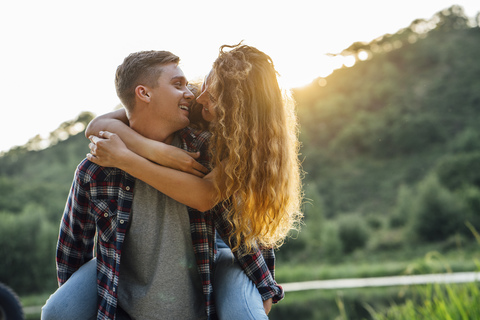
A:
[207,80]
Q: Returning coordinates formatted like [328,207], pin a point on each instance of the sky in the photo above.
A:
[58,58]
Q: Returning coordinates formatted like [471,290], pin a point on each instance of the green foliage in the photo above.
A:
[34,184]
[457,170]
[331,244]
[353,232]
[12,200]
[307,243]
[27,248]
[314,219]
[436,212]
[332,304]
[412,100]
[403,207]
[387,133]
[466,141]
[438,302]
[387,240]
[470,197]
[377,133]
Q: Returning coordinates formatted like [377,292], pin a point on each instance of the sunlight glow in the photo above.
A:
[76,128]
[322,82]
[349,61]
[363,55]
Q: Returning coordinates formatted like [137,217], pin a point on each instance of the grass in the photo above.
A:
[423,260]
[440,302]
[332,304]
[30,302]
[294,273]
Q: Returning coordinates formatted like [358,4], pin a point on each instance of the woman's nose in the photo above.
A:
[201,97]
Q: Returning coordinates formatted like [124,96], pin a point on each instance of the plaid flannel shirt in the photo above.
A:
[98,208]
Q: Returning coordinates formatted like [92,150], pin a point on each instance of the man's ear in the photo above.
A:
[142,93]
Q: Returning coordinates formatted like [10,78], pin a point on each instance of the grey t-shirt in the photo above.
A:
[159,278]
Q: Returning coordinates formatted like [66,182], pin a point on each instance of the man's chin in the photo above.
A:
[184,124]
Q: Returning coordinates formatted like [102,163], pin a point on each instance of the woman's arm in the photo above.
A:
[193,191]
[105,121]
[161,153]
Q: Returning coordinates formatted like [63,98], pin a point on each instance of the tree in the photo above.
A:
[436,212]
[453,18]
[353,232]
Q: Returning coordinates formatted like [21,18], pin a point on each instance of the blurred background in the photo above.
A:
[388,100]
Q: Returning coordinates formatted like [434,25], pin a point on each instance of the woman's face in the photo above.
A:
[207,100]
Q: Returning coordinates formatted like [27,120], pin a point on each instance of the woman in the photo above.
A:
[253,150]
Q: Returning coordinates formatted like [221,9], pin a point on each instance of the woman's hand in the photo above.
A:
[179,159]
[108,150]
[267,305]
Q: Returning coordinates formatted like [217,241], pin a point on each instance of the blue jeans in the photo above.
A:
[236,296]
[76,299]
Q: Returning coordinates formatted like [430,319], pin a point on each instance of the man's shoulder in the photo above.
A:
[195,136]
[88,171]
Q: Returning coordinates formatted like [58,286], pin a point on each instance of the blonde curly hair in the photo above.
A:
[255,145]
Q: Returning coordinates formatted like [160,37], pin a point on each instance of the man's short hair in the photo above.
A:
[140,68]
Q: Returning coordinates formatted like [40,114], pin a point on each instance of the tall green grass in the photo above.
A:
[439,302]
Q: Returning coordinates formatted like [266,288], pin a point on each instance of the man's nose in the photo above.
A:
[189,95]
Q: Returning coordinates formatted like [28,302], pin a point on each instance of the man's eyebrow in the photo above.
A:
[181,78]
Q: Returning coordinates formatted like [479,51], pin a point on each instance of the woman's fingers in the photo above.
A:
[194,155]
[193,166]
[99,152]
[102,135]
[93,148]
[197,173]
[91,158]
[94,139]
[199,167]
[105,134]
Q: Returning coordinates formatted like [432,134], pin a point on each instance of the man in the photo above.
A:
[150,235]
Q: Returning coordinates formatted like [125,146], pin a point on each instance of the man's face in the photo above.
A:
[170,102]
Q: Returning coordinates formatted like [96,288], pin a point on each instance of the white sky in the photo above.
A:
[58,58]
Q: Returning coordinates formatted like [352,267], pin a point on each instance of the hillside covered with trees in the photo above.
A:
[391,146]
[391,154]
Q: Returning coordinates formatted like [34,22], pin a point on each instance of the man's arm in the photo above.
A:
[77,231]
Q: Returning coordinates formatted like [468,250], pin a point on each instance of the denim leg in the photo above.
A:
[236,296]
[76,299]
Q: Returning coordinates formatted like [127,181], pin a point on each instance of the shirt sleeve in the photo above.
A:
[258,265]
[77,230]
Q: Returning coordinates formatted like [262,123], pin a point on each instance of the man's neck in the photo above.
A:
[159,133]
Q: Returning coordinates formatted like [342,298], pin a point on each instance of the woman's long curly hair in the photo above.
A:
[255,145]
